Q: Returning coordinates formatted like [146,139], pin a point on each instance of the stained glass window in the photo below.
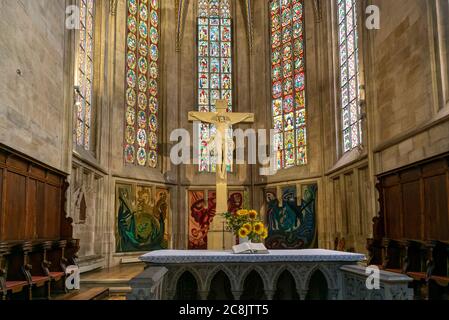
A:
[214,70]
[349,74]
[288,82]
[142,74]
[85,73]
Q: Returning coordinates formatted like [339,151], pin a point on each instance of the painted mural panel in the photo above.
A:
[142,221]
[291,223]
[202,206]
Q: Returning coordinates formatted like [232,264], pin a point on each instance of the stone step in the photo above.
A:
[99,293]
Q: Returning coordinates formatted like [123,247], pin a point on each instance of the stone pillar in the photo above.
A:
[203,294]
[270,294]
[303,293]
[333,294]
[237,294]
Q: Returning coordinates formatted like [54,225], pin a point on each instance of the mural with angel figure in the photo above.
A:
[142,218]
[291,223]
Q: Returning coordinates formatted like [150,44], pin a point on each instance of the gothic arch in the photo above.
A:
[261,272]
[292,272]
[330,283]
[182,7]
[214,272]
[178,274]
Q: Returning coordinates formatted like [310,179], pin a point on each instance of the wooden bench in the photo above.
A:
[33,269]
[12,280]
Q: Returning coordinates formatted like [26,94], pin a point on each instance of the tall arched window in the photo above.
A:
[351,116]
[214,69]
[288,82]
[85,72]
[142,74]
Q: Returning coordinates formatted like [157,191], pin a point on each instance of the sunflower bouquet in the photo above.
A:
[246,224]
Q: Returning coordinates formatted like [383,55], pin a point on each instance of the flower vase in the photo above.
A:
[243,240]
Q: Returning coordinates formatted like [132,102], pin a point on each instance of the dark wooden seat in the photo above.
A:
[15,282]
[417,275]
[56,276]
[440,280]
[15,286]
[39,281]
[394,270]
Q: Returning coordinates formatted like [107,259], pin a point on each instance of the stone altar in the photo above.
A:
[165,267]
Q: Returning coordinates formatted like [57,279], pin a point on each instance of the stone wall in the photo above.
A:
[32,75]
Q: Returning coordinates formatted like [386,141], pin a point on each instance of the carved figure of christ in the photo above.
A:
[223,122]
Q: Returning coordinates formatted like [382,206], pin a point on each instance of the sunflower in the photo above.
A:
[242,212]
[248,227]
[264,234]
[252,214]
[259,228]
[243,233]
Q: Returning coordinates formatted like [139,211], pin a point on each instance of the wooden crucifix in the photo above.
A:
[223,122]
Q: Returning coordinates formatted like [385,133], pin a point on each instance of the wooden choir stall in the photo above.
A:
[36,243]
[411,233]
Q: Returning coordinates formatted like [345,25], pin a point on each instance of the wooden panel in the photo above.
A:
[2,198]
[391,180]
[435,168]
[15,215]
[31,210]
[52,212]
[18,164]
[415,201]
[411,202]
[3,157]
[54,179]
[38,172]
[40,209]
[411,175]
[436,208]
[30,199]
[393,211]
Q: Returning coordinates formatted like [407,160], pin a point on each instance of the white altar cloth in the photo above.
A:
[204,256]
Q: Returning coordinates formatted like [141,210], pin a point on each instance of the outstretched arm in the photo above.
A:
[201,116]
[242,118]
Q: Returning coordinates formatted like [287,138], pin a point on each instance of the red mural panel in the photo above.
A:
[202,206]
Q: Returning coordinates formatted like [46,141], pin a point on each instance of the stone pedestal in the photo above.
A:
[392,286]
